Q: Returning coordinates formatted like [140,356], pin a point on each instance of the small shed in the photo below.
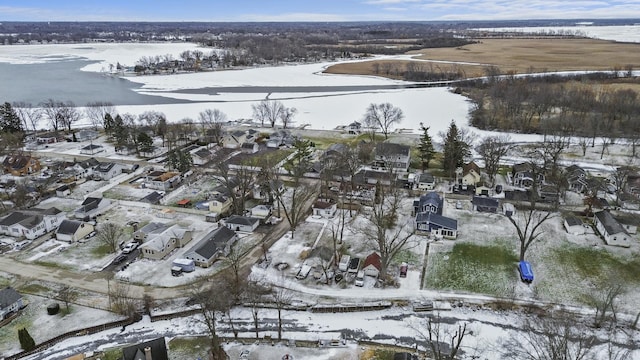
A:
[63,191]
[372,265]
[574,225]
[485,204]
[184,203]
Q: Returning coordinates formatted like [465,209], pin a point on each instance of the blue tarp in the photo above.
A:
[526,273]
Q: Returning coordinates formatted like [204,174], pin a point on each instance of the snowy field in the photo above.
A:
[627,33]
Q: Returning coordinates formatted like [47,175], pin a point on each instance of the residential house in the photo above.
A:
[63,191]
[281,138]
[262,212]
[214,245]
[426,181]
[393,155]
[10,302]
[150,230]
[261,192]
[629,222]
[150,350]
[468,174]
[249,147]
[49,138]
[611,230]
[152,198]
[91,207]
[158,246]
[126,149]
[523,174]
[368,177]
[86,135]
[107,170]
[325,208]
[485,204]
[234,139]
[372,265]
[549,193]
[354,128]
[82,169]
[437,225]
[241,223]
[162,180]
[482,189]
[429,202]
[92,149]
[20,164]
[73,230]
[31,223]
[201,155]
[576,178]
[336,150]
[574,225]
[219,203]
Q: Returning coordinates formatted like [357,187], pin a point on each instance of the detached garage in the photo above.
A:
[241,223]
[73,230]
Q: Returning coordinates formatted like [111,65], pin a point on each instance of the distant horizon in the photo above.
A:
[240,11]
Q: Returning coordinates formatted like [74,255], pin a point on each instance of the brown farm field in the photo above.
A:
[517,56]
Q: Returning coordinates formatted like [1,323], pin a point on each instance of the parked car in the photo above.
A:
[90,235]
[129,247]
[526,272]
[360,278]
[423,306]
[458,204]
[119,259]
[404,267]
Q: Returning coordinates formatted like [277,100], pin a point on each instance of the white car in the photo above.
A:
[129,247]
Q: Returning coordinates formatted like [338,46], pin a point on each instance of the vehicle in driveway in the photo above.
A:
[90,235]
[129,247]
[119,259]
[404,267]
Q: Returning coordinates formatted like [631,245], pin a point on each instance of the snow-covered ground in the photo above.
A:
[626,33]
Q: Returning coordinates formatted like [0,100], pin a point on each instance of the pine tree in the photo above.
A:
[425,147]
[26,341]
[108,124]
[145,143]
[9,120]
[455,150]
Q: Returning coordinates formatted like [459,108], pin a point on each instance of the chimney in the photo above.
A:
[147,353]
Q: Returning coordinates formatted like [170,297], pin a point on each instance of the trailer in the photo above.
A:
[185,264]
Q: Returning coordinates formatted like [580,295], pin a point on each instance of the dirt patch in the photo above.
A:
[519,56]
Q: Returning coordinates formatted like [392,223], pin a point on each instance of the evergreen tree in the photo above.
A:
[119,132]
[179,160]
[145,143]
[26,341]
[9,120]
[108,124]
[425,147]
[455,150]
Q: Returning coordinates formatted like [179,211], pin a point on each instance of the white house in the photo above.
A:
[213,246]
[241,223]
[63,191]
[201,155]
[396,156]
[73,230]
[469,174]
[162,180]
[160,245]
[107,170]
[92,206]
[10,302]
[92,149]
[324,208]
[426,181]
[574,225]
[261,211]
[31,223]
[613,233]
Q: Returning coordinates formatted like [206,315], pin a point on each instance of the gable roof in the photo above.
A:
[157,346]
[426,178]
[152,198]
[374,260]
[611,225]
[470,166]
[573,221]
[69,227]
[241,220]
[322,204]
[105,167]
[387,148]
[89,204]
[92,147]
[8,296]
[214,241]
[443,221]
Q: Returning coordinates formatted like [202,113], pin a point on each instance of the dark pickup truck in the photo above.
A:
[354,265]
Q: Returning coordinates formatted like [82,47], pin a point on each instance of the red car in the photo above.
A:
[403,269]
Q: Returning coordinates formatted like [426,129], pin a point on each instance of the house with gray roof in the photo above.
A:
[152,198]
[437,225]
[485,204]
[107,170]
[611,230]
[73,230]
[92,206]
[92,149]
[10,302]
[159,244]
[574,225]
[426,181]
[149,350]
[31,223]
[429,202]
[241,223]
[396,156]
[213,246]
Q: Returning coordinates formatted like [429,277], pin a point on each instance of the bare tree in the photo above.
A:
[51,109]
[493,149]
[443,341]
[383,116]
[109,234]
[237,184]
[548,339]
[96,112]
[281,298]
[287,115]
[620,179]
[67,295]
[30,116]
[211,121]
[68,114]
[254,298]
[268,110]
[528,226]
[122,302]
[211,304]
[603,295]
